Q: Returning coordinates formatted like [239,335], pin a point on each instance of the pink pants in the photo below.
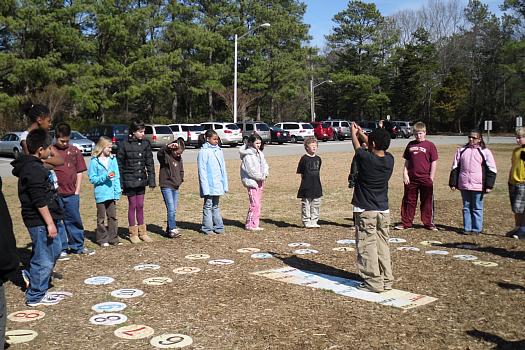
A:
[254,211]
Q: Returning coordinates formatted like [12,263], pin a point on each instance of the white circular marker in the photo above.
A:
[221,262]
[430,242]
[396,240]
[171,341]
[134,331]
[466,257]
[261,256]
[346,241]
[108,319]
[299,244]
[305,251]
[186,270]
[157,281]
[343,249]
[99,280]
[248,250]
[127,293]
[436,252]
[110,306]
[197,256]
[26,315]
[18,336]
[485,263]
[142,267]
[410,249]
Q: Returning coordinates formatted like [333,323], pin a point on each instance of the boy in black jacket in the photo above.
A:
[40,212]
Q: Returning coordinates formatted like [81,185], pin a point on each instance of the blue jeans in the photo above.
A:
[44,254]
[211,215]
[472,210]
[171,199]
[71,227]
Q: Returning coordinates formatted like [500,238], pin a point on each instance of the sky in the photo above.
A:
[319,13]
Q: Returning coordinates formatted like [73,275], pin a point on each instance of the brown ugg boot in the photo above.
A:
[143,234]
[134,234]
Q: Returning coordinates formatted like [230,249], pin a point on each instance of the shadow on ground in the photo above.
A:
[505,253]
[499,342]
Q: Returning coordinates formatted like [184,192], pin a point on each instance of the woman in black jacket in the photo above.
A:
[137,170]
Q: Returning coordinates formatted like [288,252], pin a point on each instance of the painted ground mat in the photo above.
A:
[347,287]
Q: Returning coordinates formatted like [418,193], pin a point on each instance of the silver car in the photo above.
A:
[261,128]
[10,144]
[80,141]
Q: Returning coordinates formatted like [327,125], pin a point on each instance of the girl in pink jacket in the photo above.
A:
[474,174]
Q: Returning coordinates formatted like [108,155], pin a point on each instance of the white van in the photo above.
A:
[178,133]
[229,133]
[298,130]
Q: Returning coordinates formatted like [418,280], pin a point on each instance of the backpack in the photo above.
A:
[489,177]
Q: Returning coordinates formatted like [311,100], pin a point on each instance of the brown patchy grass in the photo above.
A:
[225,307]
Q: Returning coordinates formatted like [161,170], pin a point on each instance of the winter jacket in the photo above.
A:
[213,180]
[135,162]
[8,255]
[254,167]
[106,188]
[473,169]
[35,190]
[171,173]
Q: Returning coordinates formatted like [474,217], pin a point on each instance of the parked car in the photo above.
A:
[116,132]
[404,128]
[178,133]
[80,141]
[279,135]
[323,131]
[194,131]
[10,144]
[158,135]
[298,130]
[391,127]
[229,133]
[341,129]
[261,128]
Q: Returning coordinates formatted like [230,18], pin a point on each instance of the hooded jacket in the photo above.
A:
[135,161]
[213,180]
[8,255]
[171,173]
[254,167]
[473,169]
[106,188]
[35,190]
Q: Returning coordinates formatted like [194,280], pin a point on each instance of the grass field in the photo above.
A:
[226,307]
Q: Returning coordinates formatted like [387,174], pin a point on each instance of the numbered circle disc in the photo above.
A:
[346,241]
[299,244]
[185,270]
[430,242]
[436,252]
[261,256]
[26,315]
[248,250]
[157,281]
[305,251]
[485,263]
[134,331]
[142,267]
[197,256]
[171,341]
[396,240]
[59,295]
[99,280]
[109,306]
[108,319]
[412,249]
[18,336]
[466,257]
[221,262]
[343,249]
[127,293]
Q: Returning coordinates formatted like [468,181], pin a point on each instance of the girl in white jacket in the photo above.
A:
[254,171]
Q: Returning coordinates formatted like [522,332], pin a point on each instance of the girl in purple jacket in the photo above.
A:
[474,174]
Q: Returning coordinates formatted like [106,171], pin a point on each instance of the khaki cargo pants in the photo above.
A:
[373,253]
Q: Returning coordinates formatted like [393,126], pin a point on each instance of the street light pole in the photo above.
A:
[312,96]
[264,25]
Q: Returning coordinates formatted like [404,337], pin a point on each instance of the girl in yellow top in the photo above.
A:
[517,185]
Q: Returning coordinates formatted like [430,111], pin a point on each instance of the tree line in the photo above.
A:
[106,61]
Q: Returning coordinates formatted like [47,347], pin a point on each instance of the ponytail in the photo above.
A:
[33,111]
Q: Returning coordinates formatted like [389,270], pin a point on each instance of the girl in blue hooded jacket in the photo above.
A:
[213,182]
[104,174]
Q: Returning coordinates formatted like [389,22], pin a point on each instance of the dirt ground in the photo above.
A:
[227,307]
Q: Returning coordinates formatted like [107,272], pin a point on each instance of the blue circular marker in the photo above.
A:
[110,306]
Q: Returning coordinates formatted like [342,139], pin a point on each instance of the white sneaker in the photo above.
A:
[258,229]
[315,225]
[63,256]
[106,244]
[46,300]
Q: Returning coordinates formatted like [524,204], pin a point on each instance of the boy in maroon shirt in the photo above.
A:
[418,175]
[69,177]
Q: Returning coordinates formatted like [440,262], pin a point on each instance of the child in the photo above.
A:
[310,190]
[254,170]
[40,211]
[371,211]
[69,175]
[171,176]
[473,173]
[137,170]
[213,182]
[517,185]
[105,176]
[418,176]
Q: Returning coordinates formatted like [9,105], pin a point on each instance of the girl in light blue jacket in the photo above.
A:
[104,174]
[213,182]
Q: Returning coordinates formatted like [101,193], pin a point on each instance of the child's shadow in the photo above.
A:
[279,223]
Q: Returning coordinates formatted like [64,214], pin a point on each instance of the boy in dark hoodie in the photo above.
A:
[40,212]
